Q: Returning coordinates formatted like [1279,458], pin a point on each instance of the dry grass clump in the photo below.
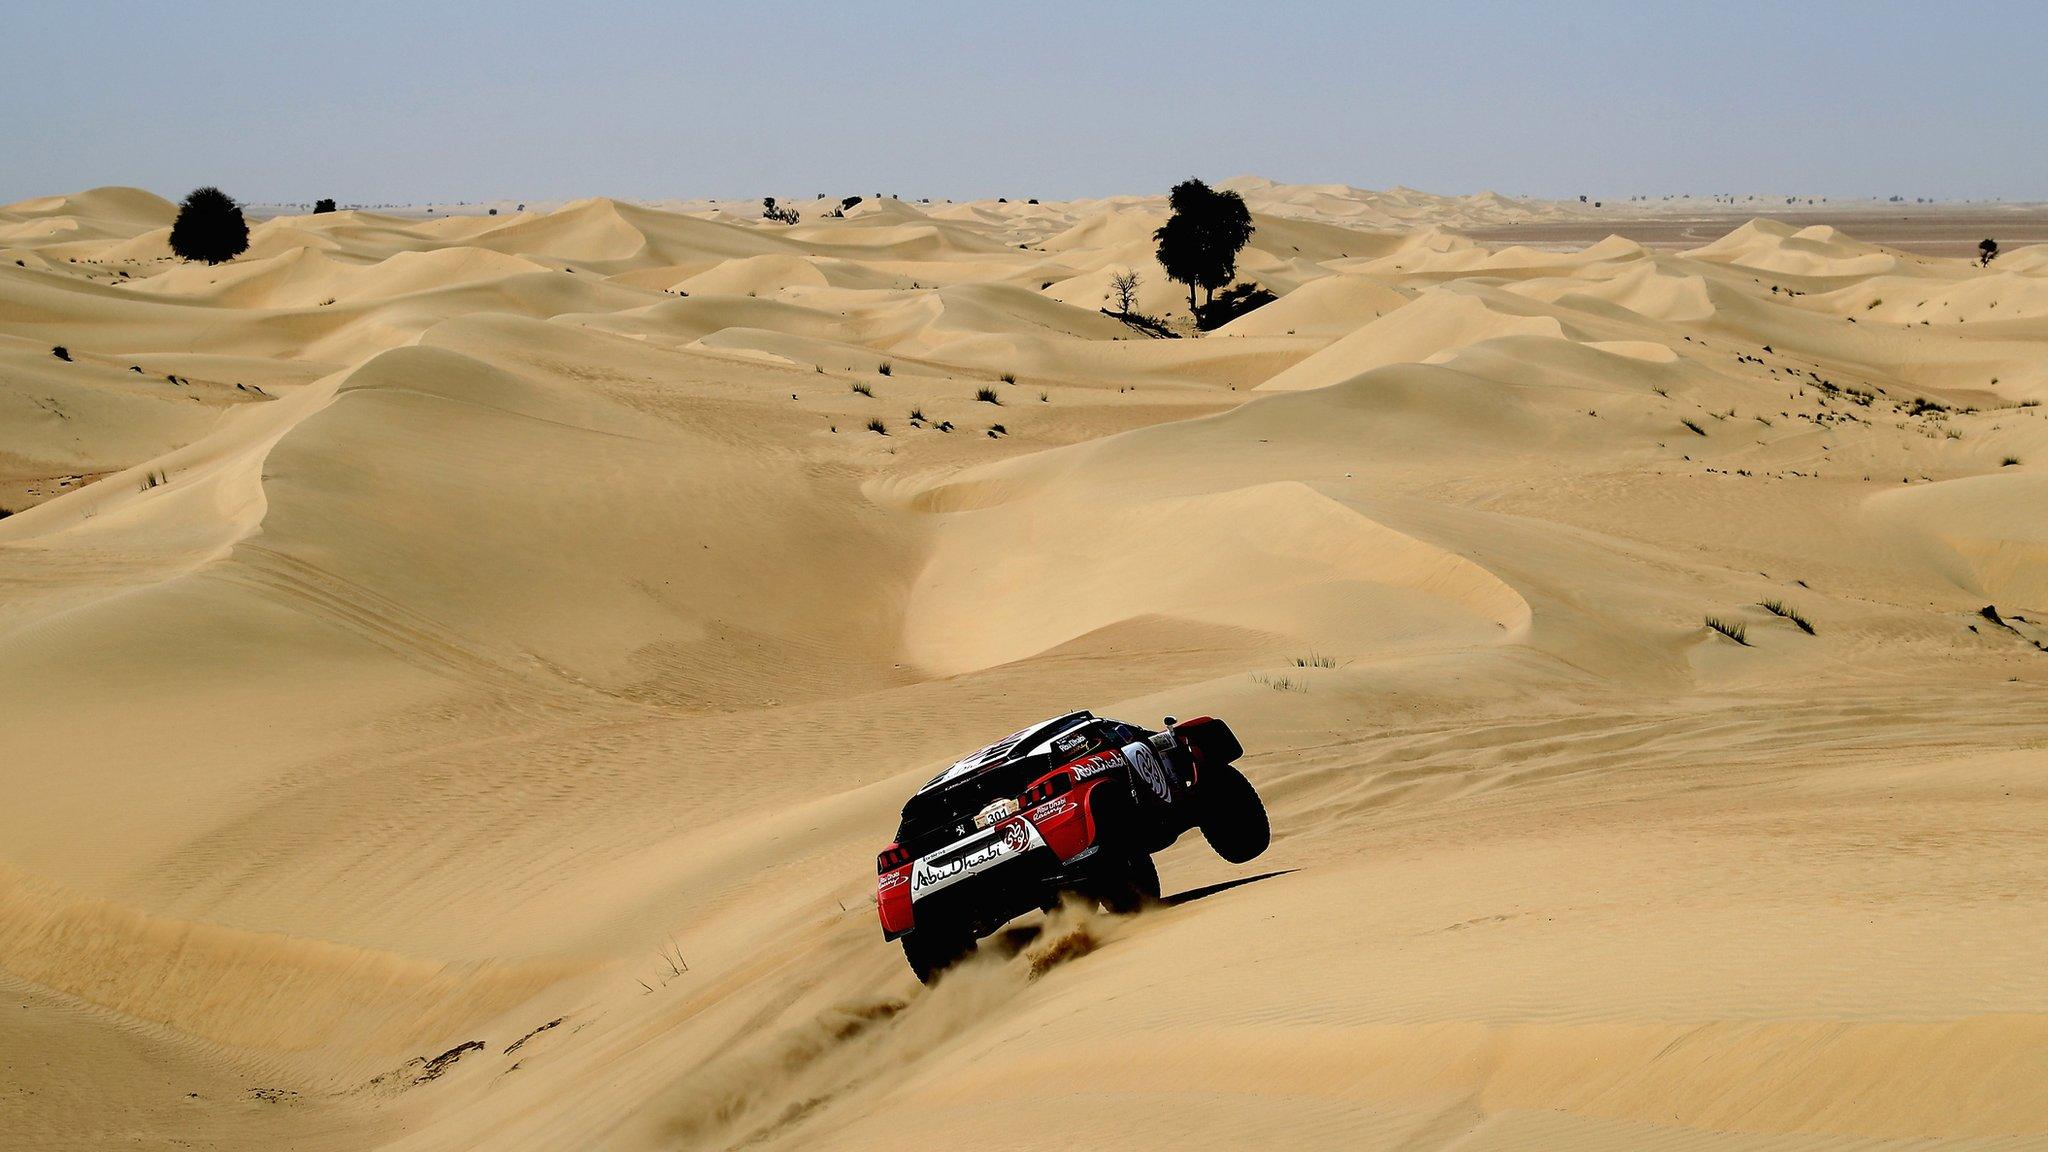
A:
[1777,608]
[1736,632]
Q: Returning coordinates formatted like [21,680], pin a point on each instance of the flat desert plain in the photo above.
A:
[456,672]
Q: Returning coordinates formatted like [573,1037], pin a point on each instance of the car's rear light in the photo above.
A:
[1047,788]
[890,859]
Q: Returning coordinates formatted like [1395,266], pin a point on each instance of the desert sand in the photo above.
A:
[455,673]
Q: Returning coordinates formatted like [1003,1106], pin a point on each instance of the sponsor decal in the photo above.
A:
[927,874]
[1097,764]
[1057,806]
[1014,838]
[892,880]
[1071,743]
[1146,763]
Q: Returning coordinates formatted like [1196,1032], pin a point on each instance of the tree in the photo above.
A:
[320,206]
[209,227]
[1986,253]
[770,212]
[1123,288]
[1199,243]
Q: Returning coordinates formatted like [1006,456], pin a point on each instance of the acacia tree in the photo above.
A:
[1199,243]
[209,227]
[1986,253]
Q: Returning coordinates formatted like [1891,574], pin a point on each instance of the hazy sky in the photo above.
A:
[416,101]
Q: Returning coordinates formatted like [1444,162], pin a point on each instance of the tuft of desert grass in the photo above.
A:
[1736,632]
[1777,607]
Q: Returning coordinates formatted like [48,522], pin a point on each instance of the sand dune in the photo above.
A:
[455,673]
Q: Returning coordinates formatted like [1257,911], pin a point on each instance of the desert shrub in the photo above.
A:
[883,368]
[320,206]
[209,227]
[1314,660]
[862,389]
[999,430]
[916,414]
[877,427]
[770,211]
[5,513]
[986,396]
[2008,462]
[849,202]
[1696,428]
[1045,397]
[1008,377]
[1123,289]
[61,353]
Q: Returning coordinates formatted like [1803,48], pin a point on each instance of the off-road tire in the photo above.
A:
[933,949]
[1232,816]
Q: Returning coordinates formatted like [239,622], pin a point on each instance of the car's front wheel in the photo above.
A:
[1232,816]
[933,948]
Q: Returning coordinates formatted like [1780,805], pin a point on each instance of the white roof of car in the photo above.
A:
[1010,747]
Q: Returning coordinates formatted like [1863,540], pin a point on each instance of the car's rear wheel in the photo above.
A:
[1125,885]
[1232,816]
[933,948]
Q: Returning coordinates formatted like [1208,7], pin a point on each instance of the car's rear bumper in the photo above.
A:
[993,876]
[988,899]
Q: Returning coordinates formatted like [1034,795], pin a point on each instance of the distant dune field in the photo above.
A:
[456,672]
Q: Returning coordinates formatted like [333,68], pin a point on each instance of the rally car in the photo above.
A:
[1078,803]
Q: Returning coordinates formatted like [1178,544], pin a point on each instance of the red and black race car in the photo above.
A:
[1078,803]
